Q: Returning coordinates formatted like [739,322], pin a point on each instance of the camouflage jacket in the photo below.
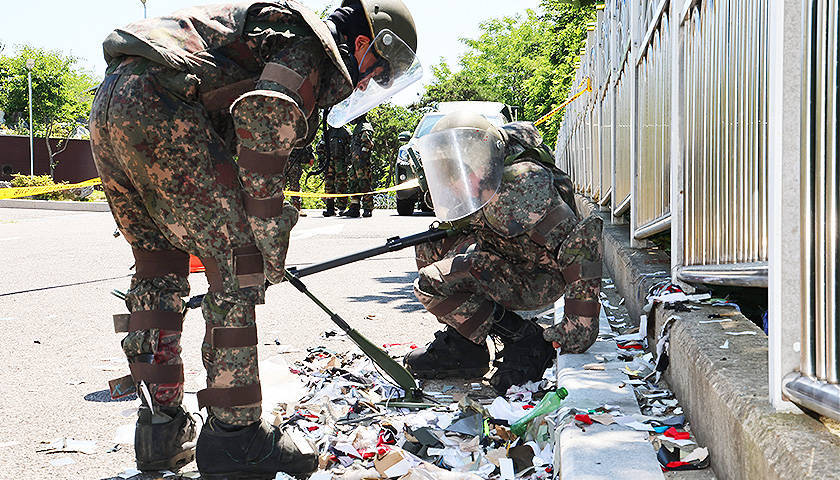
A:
[361,144]
[220,52]
[529,217]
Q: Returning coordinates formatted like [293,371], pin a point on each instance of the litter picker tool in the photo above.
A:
[390,366]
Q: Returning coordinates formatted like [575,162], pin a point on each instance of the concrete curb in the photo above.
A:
[724,391]
[56,205]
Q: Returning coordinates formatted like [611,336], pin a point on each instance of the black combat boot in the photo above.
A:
[526,354]
[255,452]
[330,211]
[164,441]
[367,213]
[352,211]
[449,355]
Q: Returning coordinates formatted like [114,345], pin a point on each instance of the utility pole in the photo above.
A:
[29,64]
[144,7]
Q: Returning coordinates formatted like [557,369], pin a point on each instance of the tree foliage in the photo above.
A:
[61,91]
[526,60]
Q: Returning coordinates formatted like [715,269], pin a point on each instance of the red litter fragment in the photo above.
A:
[409,345]
[673,433]
[632,346]
[582,417]
[312,428]
[368,455]
[676,464]
[527,407]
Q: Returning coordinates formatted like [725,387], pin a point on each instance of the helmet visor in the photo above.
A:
[396,67]
[463,168]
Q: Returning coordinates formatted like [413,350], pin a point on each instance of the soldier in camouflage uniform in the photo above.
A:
[191,131]
[298,158]
[361,173]
[522,250]
[335,177]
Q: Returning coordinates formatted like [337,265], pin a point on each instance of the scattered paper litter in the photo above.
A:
[87,447]
[129,472]
[681,443]
[698,454]
[506,467]
[60,462]
[746,332]
[717,320]
[594,366]
[642,427]
[603,419]
[725,345]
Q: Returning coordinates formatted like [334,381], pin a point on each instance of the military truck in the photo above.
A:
[408,163]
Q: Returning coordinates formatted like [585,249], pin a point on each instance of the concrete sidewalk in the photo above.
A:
[724,390]
[56,205]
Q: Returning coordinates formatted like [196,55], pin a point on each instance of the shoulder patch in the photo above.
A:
[523,199]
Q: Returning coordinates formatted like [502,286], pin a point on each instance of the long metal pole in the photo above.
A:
[31,154]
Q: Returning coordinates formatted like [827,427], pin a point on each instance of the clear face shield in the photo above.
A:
[396,68]
[463,168]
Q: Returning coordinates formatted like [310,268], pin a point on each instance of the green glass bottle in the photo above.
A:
[548,404]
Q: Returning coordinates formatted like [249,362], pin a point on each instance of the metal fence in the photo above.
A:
[725,157]
[717,115]
[815,385]
[652,210]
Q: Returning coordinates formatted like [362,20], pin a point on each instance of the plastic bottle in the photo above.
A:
[548,404]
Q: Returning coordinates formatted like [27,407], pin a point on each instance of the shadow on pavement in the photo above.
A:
[402,293]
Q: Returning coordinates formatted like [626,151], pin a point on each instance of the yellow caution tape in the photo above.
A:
[554,111]
[403,186]
[17,192]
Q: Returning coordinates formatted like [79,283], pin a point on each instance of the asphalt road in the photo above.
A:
[58,349]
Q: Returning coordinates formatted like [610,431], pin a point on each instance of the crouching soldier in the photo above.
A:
[520,246]
[183,95]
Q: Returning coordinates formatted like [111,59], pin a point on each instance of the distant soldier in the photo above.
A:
[294,169]
[337,158]
[361,173]
[520,246]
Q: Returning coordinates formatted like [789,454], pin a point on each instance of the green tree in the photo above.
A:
[526,60]
[61,91]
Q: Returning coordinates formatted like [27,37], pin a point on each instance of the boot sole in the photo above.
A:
[173,463]
[440,374]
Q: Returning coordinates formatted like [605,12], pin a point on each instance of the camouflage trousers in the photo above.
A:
[335,180]
[294,170]
[172,186]
[461,284]
[361,180]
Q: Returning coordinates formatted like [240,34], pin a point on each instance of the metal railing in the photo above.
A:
[623,139]
[725,158]
[652,211]
[815,385]
[691,74]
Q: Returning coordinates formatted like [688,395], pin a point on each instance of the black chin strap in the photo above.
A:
[346,52]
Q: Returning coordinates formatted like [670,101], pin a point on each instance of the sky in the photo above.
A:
[78,27]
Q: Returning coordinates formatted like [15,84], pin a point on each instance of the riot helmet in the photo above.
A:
[463,159]
[390,60]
